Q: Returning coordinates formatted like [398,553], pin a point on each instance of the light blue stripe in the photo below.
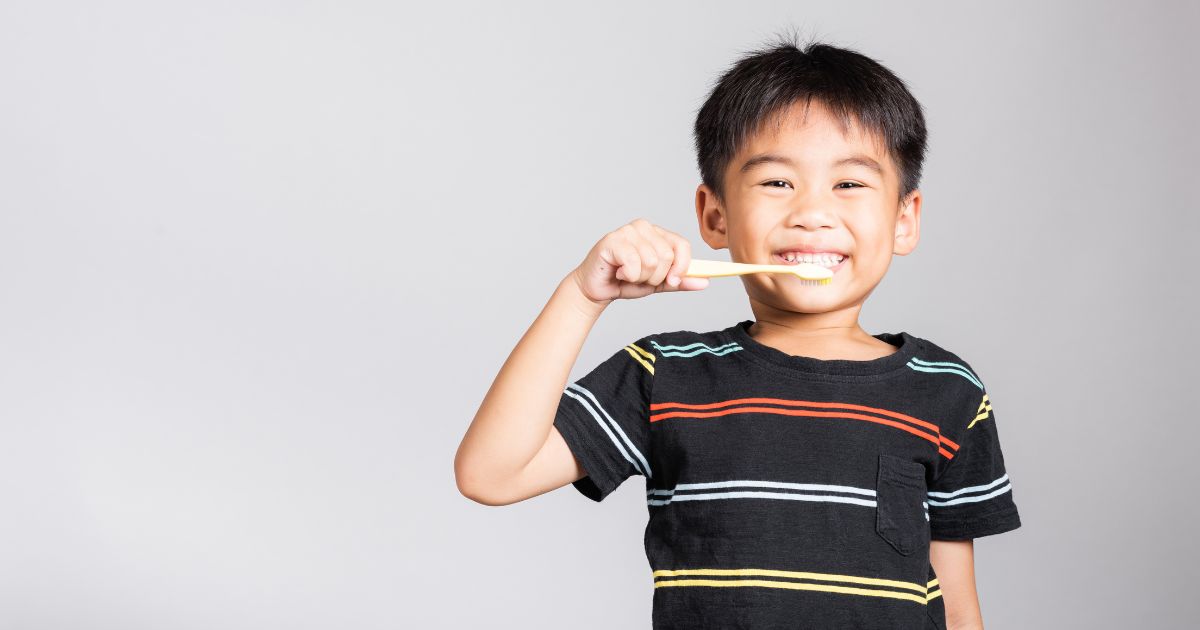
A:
[960,372]
[694,349]
[986,486]
[762,495]
[944,364]
[975,499]
[643,468]
[690,346]
[719,353]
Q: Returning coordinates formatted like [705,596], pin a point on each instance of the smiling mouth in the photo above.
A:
[830,261]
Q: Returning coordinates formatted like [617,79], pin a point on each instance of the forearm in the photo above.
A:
[516,414]
[962,613]
[954,564]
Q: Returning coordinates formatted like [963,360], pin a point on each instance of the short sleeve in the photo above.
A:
[604,417]
[973,494]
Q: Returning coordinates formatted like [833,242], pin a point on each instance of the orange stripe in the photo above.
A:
[796,412]
[800,403]
[939,440]
[812,403]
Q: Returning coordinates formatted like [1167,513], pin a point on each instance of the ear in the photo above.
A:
[908,224]
[711,217]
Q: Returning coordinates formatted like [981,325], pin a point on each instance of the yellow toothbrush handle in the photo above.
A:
[719,268]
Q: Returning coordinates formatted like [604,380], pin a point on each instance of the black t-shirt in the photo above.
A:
[791,492]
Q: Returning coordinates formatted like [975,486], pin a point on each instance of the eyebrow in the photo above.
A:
[858,159]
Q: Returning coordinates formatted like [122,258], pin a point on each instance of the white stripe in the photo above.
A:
[986,486]
[764,484]
[972,499]
[763,495]
[644,469]
[645,466]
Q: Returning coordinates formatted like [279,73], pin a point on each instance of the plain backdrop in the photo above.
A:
[260,262]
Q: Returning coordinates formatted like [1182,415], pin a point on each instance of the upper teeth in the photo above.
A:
[819,259]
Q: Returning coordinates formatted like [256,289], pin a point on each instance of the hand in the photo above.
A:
[635,260]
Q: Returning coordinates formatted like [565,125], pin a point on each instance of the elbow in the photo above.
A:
[467,481]
[482,496]
[474,486]
[475,493]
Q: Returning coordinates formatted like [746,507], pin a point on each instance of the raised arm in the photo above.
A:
[512,451]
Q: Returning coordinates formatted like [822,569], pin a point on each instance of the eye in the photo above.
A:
[775,181]
[855,184]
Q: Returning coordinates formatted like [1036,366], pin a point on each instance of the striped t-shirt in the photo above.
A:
[787,491]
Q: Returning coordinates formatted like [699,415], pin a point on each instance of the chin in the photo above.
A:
[795,302]
[788,294]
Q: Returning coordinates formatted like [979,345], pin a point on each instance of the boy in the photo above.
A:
[800,472]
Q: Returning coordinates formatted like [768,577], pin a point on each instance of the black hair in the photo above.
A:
[763,85]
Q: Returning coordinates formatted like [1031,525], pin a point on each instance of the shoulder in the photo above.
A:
[951,385]
[944,365]
[677,343]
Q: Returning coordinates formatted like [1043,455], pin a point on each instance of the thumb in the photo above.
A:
[689,283]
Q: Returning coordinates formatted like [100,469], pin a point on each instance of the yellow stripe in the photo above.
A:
[648,355]
[932,583]
[832,577]
[639,359]
[933,595]
[982,413]
[800,586]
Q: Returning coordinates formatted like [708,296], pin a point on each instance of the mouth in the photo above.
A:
[832,261]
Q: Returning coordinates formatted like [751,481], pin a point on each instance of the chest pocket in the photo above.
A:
[899,497]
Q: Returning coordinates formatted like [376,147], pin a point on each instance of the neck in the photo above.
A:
[830,335]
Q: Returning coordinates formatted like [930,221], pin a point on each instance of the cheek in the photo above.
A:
[874,242]
[747,237]
[873,258]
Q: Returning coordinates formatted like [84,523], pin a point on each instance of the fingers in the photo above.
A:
[646,254]
[629,263]
[662,252]
[640,254]
[682,253]
[657,253]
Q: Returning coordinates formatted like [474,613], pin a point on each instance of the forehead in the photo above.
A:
[813,133]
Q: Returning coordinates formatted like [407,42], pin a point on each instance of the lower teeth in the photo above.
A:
[820,264]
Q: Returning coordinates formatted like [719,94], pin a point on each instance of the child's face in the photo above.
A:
[813,203]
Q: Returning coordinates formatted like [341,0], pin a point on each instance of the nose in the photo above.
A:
[810,216]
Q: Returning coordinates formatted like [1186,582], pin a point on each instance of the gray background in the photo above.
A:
[260,261]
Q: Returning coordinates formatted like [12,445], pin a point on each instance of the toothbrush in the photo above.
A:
[808,272]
